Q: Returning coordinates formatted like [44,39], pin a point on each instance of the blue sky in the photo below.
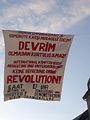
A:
[52,16]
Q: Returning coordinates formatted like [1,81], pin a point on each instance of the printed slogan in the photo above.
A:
[34,64]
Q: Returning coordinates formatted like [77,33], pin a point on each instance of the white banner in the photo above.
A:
[34,64]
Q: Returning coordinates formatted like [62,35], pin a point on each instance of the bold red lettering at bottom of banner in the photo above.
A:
[34,79]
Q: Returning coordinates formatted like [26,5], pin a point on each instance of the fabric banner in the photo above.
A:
[34,64]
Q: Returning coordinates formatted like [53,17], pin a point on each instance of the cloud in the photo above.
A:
[40,7]
[1,42]
[1,63]
[40,11]
[5,1]
[80,9]
[36,7]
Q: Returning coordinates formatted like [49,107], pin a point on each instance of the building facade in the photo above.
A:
[85,115]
